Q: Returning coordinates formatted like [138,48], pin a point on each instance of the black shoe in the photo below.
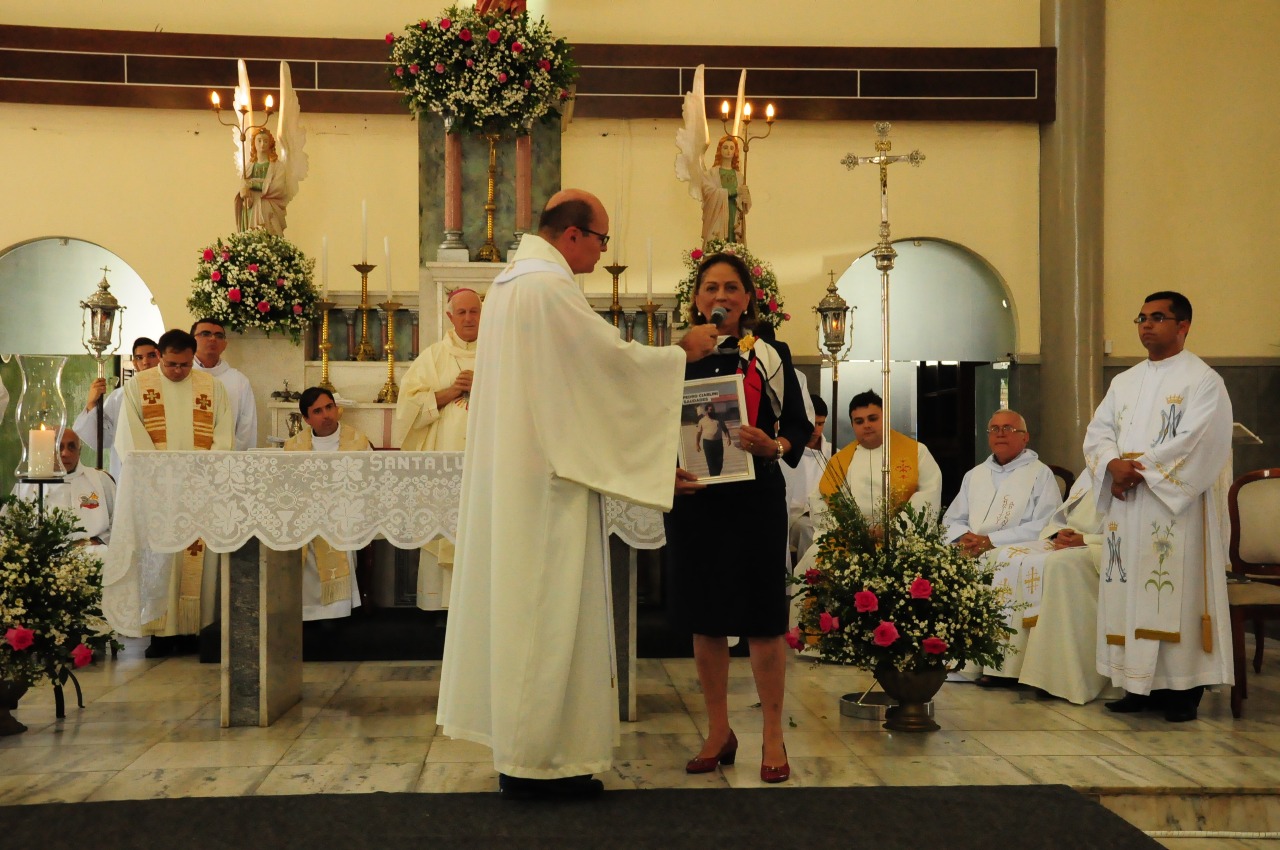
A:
[568,788]
[996,682]
[1130,704]
[1181,706]
[160,647]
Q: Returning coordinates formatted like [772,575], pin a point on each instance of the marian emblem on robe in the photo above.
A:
[1113,555]
[1169,420]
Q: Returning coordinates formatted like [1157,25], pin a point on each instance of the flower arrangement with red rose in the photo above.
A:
[486,72]
[50,596]
[913,604]
[254,279]
[763,280]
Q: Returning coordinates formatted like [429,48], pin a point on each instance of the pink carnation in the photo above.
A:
[391,38]
[208,255]
[773,305]
[885,634]
[445,23]
[517,47]
[826,622]
[794,640]
[233,295]
[464,34]
[494,36]
[759,294]
[502,76]
[226,255]
[81,655]
[921,589]
[933,645]
[756,271]
[470,64]
[264,307]
[215,275]
[253,267]
[865,601]
[297,309]
[400,71]
[19,638]
[413,69]
[695,254]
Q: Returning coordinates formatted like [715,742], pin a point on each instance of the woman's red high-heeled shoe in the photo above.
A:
[769,773]
[727,754]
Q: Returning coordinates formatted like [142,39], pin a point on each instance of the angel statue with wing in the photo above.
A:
[270,166]
[721,188]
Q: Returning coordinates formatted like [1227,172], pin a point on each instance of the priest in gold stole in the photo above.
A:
[173,408]
[329,588]
[431,416]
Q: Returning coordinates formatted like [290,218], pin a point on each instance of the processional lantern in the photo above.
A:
[99,332]
[833,314]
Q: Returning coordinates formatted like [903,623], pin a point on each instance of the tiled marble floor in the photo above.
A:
[150,729]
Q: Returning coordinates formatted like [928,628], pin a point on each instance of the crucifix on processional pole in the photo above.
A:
[885,256]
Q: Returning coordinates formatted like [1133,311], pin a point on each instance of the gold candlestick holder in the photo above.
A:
[488,252]
[390,393]
[325,345]
[364,351]
[615,309]
[649,309]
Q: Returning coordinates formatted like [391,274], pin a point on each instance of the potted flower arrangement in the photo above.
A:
[484,72]
[50,603]
[768,299]
[906,610]
[254,279]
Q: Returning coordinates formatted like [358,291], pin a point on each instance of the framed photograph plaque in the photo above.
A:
[710,416]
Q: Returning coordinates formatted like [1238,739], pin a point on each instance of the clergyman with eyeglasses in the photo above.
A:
[1159,447]
[211,342]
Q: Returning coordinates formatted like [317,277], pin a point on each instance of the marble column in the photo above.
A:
[1071,194]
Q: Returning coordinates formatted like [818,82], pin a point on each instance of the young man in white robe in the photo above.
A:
[431,416]
[563,412]
[145,356]
[211,343]
[88,493]
[173,408]
[1159,447]
[329,587]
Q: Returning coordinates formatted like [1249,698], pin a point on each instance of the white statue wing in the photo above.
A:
[742,98]
[693,138]
[291,137]
[242,96]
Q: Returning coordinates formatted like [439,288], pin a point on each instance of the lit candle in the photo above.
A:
[324,268]
[768,113]
[648,283]
[746,112]
[41,452]
[364,233]
[724,110]
[386,251]
[217,101]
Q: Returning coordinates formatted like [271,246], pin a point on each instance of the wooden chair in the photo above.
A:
[1066,478]
[1254,506]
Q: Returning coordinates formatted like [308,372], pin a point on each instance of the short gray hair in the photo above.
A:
[1022,421]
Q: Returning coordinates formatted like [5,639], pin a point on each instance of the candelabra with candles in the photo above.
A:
[98,332]
[615,309]
[364,351]
[743,137]
[325,345]
[243,122]
[390,393]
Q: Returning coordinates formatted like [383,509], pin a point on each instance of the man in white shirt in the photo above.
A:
[211,342]
[802,481]
[87,492]
[145,356]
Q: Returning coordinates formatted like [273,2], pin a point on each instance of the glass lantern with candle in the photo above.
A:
[41,416]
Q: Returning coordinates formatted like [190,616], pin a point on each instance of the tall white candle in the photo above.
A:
[364,233]
[648,283]
[386,251]
[324,268]
[40,452]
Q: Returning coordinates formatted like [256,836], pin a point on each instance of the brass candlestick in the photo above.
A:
[488,252]
[364,351]
[325,345]
[390,393]
[615,309]
[649,309]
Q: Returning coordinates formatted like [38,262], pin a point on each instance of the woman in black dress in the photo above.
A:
[728,542]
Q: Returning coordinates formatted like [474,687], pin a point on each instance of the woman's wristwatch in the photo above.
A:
[778,456]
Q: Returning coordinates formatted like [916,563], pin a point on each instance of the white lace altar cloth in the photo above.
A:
[168,500]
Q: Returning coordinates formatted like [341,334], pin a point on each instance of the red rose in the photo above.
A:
[865,601]
[233,295]
[208,255]
[226,255]
[264,307]
[494,36]
[439,68]
[812,576]
[464,34]
[695,254]
[413,69]
[526,83]
[921,589]
[826,622]
[400,72]
[544,65]
[215,275]
[933,645]
[422,25]
[502,76]
[391,38]
[794,640]
[297,309]
[445,23]
[756,271]
[885,634]
[470,64]
[773,305]
[20,638]
[517,47]
[253,267]
[81,655]
[564,94]
[760,293]
[786,317]
[280,281]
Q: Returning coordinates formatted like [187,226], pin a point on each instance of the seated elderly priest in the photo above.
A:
[329,588]
[88,493]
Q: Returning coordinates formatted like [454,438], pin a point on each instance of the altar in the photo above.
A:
[167,501]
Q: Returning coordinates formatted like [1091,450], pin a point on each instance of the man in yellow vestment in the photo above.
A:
[173,408]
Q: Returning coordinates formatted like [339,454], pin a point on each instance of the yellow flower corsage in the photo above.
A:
[746,343]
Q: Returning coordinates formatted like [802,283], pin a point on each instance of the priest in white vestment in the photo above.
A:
[211,342]
[329,587]
[173,408]
[145,356]
[1159,446]
[563,412]
[88,493]
[431,416]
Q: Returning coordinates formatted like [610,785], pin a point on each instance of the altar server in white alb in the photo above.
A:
[145,356]
[172,408]
[211,342]
[563,412]
[431,416]
[88,493]
[1159,446]
[329,588]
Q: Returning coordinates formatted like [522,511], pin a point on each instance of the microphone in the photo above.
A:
[718,316]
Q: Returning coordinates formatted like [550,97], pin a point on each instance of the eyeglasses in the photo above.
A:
[603,237]
[1005,429]
[1156,318]
[211,335]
